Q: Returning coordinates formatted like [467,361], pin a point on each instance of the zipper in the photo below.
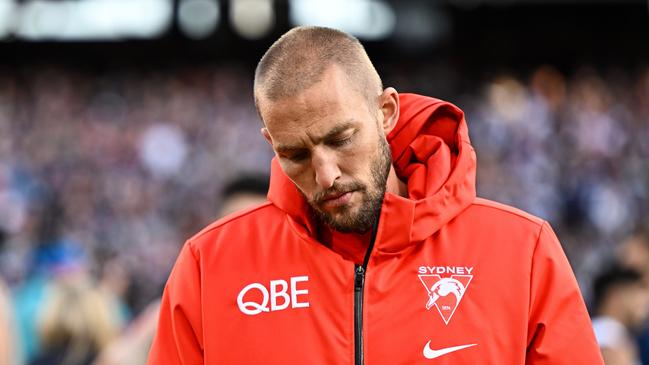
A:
[359,283]
[359,289]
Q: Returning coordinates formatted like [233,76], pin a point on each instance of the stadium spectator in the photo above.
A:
[76,323]
[244,191]
[132,346]
[634,254]
[9,353]
[621,307]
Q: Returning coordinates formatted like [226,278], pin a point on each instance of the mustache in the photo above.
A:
[337,189]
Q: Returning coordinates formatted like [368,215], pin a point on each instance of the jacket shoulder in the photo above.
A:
[238,220]
[504,211]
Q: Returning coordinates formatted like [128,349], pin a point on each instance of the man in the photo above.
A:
[633,253]
[372,248]
[245,191]
[622,306]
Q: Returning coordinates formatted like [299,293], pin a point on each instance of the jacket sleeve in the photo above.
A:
[559,329]
[179,337]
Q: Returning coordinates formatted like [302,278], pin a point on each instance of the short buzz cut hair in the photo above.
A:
[299,58]
[613,278]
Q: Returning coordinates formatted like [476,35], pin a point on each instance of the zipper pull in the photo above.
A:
[359,278]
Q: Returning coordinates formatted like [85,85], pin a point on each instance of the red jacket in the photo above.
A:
[451,278]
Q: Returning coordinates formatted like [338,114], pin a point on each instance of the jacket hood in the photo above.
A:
[431,152]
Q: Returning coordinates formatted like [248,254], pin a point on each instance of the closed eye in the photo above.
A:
[340,142]
[342,139]
[298,157]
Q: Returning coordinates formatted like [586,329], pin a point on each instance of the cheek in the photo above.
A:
[358,167]
[641,303]
[359,160]
[645,301]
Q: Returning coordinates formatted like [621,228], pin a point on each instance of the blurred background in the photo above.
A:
[127,126]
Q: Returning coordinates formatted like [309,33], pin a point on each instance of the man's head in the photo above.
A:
[243,192]
[326,115]
[622,294]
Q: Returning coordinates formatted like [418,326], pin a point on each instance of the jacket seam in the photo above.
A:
[536,246]
[191,247]
[541,223]
[228,220]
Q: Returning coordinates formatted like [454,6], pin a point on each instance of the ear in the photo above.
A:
[389,105]
[266,135]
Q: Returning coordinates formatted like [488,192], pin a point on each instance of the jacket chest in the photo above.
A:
[415,308]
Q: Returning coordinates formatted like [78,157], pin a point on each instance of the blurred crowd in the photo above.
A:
[573,150]
[105,173]
[103,177]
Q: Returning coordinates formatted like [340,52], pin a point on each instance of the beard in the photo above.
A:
[359,220]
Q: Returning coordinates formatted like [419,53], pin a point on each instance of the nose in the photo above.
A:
[326,169]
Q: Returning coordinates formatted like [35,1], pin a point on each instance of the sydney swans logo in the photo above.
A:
[445,293]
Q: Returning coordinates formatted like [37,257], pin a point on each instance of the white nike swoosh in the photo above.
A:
[432,354]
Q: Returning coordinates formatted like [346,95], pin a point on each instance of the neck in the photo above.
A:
[394,185]
[351,246]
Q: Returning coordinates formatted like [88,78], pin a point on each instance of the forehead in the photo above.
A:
[319,108]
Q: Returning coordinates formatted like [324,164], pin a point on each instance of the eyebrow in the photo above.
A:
[331,134]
